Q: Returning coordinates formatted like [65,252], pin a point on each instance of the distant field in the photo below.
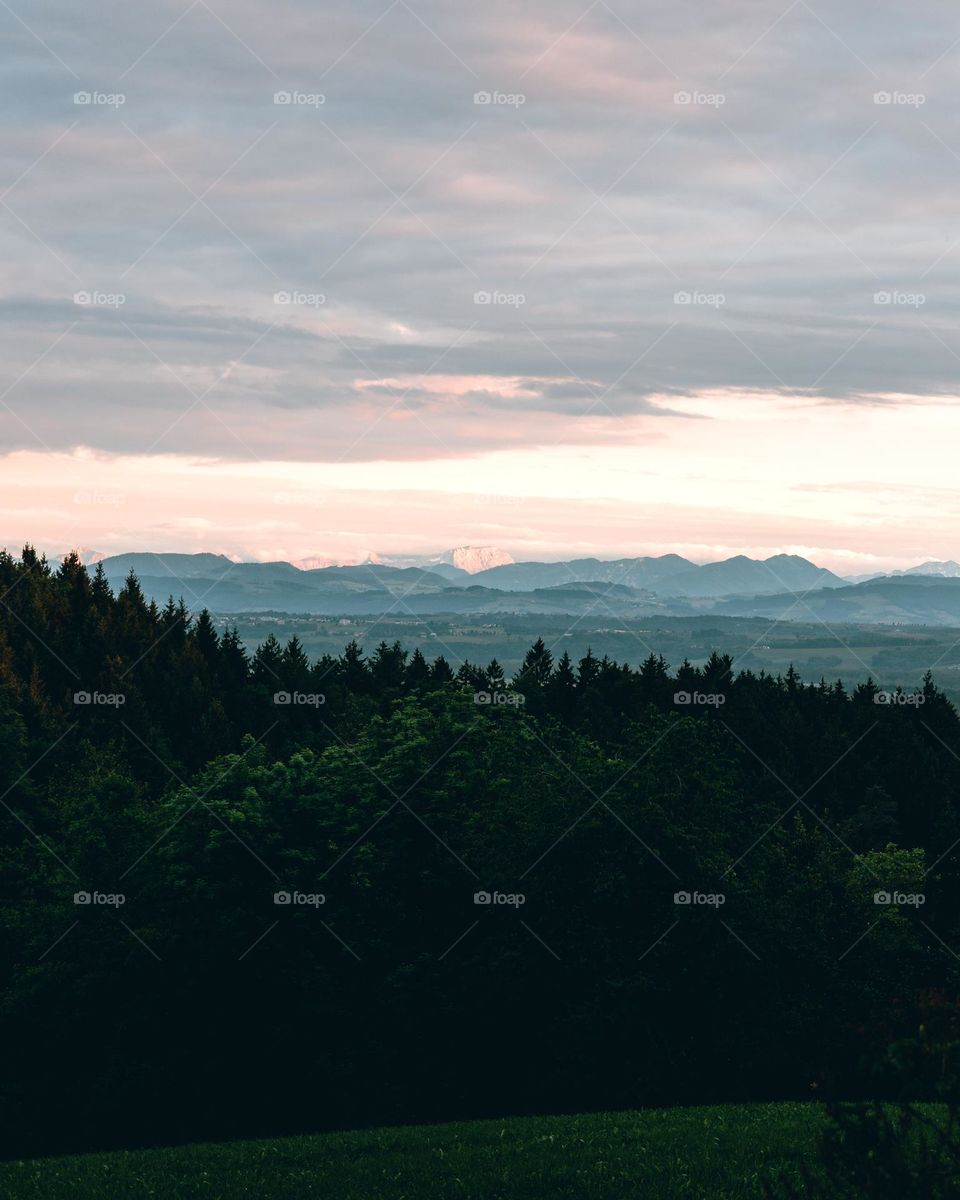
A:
[891,654]
[718,1153]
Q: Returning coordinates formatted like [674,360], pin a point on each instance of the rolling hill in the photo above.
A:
[783,587]
[716,1153]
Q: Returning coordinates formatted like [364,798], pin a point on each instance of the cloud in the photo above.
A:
[660,203]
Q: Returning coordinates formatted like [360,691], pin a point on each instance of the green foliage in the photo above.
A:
[674,1154]
[884,1151]
[890,1150]
[399,790]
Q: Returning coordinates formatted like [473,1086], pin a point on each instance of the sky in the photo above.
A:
[285,280]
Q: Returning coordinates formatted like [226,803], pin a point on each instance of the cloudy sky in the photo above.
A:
[292,279]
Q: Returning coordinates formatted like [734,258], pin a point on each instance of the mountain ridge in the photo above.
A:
[782,587]
[499,566]
[220,583]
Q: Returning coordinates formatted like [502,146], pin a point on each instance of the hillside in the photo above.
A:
[740,575]
[782,588]
[632,587]
[902,599]
[717,1153]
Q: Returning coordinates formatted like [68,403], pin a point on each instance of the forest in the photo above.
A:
[247,894]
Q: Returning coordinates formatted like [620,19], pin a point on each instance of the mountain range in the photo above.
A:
[469,559]
[945,569]
[782,587]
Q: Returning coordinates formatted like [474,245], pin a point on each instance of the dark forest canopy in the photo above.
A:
[193,691]
[145,756]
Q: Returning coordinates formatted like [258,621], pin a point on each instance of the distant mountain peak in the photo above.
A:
[88,557]
[478,558]
[947,568]
[470,559]
[313,561]
[793,558]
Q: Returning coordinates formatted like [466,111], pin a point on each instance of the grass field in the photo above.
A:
[718,1153]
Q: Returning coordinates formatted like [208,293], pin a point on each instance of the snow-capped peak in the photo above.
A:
[88,557]
[467,558]
[950,569]
[313,561]
[477,558]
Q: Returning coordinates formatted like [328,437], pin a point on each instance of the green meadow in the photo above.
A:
[716,1153]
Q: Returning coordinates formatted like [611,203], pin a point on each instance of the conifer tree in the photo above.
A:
[267,663]
[588,671]
[496,680]
[205,638]
[417,674]
[537,665]
[295,667]
[353,669]
[440,671]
